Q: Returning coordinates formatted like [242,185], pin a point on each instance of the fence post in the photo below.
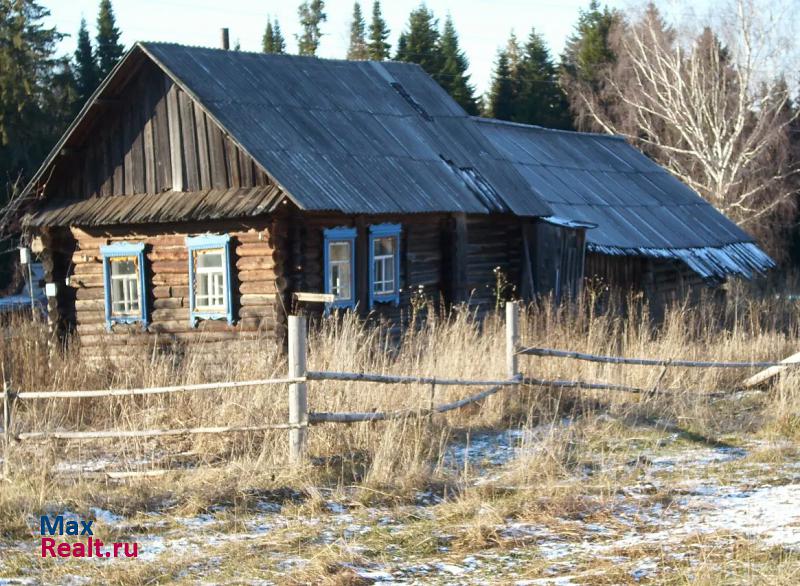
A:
[512,339]
[7,439]
[298,399]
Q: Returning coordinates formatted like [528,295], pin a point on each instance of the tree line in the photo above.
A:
[696,104]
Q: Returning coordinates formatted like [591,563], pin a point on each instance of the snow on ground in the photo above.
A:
[758,501]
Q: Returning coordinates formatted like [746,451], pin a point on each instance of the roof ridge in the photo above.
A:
[545,129]
[273,55]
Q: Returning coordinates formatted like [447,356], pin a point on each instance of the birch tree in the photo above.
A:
[706,110]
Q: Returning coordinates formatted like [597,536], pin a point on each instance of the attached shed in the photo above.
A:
[200,193]
[653,233]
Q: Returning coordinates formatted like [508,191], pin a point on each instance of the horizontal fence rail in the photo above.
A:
[647,361]
[151,390]
[367,377]
[300,418]
[120,434]
[321,417]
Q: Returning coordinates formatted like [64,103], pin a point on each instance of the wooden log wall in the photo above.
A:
[152,137]
[254,275]
[492,241]
[421,258]
[663,281]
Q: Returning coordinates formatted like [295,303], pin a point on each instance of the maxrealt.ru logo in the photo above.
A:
[92,547]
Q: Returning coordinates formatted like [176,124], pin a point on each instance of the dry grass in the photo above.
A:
[565,433]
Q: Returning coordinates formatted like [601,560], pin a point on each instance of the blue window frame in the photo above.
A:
[384,264]
[210,288]
[124,283]
[339,258]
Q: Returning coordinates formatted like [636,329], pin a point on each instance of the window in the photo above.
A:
[339,261]
[123,276]
[384,264]
[209,278]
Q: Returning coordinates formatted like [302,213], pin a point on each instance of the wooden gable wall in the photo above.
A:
[149,136]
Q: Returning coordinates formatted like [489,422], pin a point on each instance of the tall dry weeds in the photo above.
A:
[399,456]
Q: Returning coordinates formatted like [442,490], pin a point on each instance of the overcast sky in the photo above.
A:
[484,25]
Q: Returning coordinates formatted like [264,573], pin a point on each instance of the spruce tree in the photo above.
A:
[87,75]
[35,103]
[514,55]
[500,101]
[109,49]
[453,75]
[312,15]
[27,70]
[357,51]
[273,41]
[378,48]
[540,99]
[420,43]
[588,50]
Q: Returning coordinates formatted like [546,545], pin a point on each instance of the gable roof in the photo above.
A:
[638,206]
[363,137]
[350,136]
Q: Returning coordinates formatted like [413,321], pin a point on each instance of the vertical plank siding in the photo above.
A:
[153,139]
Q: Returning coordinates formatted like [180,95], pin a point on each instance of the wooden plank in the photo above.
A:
[305,297]
[161,137]
[127,144]
[137,148]
[107,187]
[148,137]
[203,161]
[232,163]
[188,130]
[245,169]
[216,152]
[772,371]
[175,137]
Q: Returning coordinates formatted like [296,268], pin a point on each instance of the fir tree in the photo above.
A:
[87,75]
[500,101]
[312,15]
[540,99]
[453,75]
[514,55]
[420,43]
[378,48]
[273,41]
[109,50]
[588,51]
[357,51]
[27,70]
[36,100]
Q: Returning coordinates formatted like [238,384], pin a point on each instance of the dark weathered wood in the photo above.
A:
[203,160]
[216,152]
[188,132]
[176,145]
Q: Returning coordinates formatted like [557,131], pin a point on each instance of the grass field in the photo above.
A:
[533,486]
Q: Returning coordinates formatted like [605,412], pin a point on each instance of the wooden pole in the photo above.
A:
[512,339]
[298,398]
[7,406]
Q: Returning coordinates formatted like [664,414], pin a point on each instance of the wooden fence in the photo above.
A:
[298,377]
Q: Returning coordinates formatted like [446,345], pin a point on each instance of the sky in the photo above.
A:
[483,25]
